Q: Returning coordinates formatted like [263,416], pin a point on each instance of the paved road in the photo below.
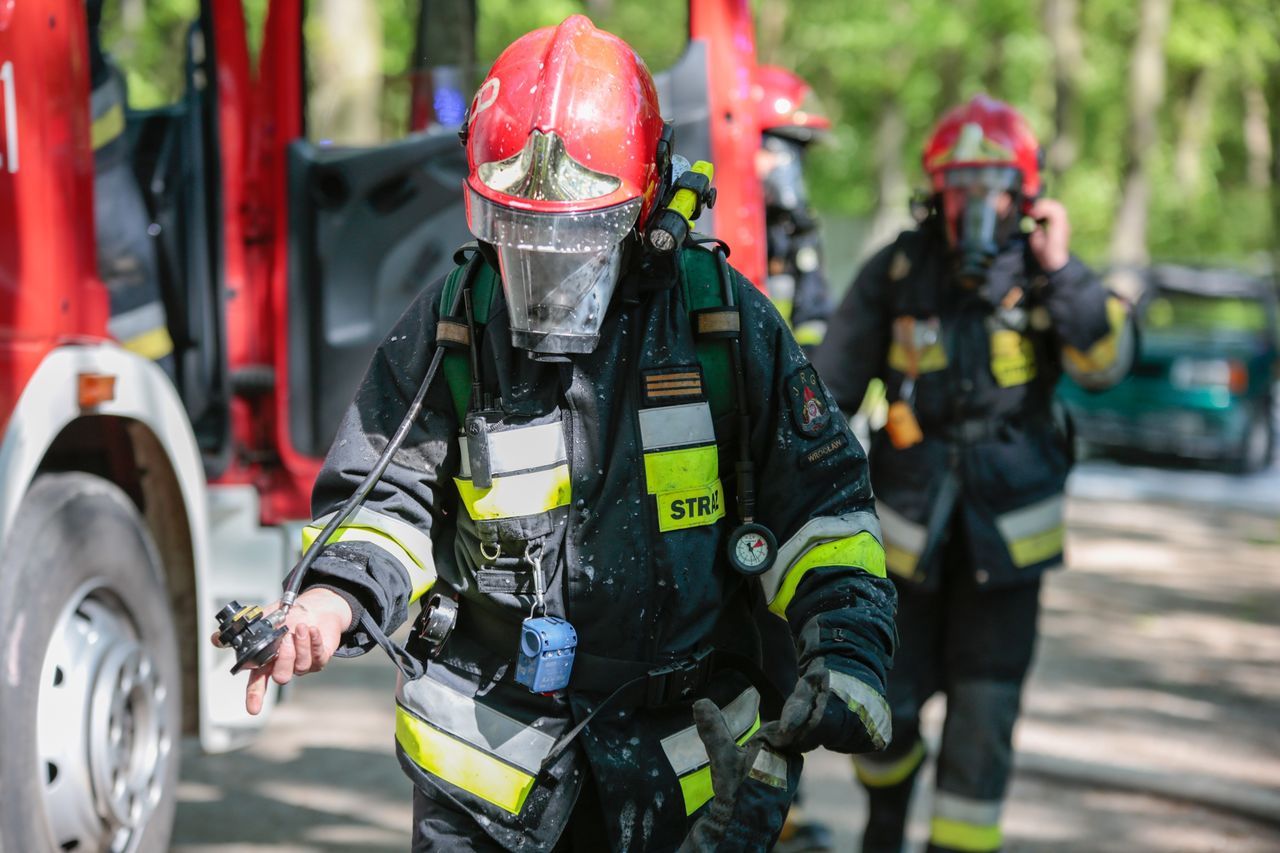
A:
[1156,673]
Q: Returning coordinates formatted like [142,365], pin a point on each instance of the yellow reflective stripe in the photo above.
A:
[1037,547]
[958,835]
[811,333]
[690,507]
[420,577]
[1103,354]
[155,344]
[900,561]
[106,127]
[784,306]
[1013,358]
[862,551]
[696,786]
[686,468]
[931,358]
[461,764]
[877,774]
[517,494]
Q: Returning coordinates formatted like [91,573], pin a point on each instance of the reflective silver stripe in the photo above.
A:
[900,532]
[520,449]
[1030,520]
[815,532]
[483,727]
[770,768]
[866,703]
[685,749]
[966,810]
[676,426]
[137,321]
[410,547]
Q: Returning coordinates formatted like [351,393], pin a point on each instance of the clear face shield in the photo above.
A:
[981,208]
[559,270]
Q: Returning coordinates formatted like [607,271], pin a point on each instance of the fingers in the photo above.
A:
[302,649]
[256,691]
[319,654]
[282,669]
[710,722]
[213,638]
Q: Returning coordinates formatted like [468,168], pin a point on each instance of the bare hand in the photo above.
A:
[315,624]
[1050,241]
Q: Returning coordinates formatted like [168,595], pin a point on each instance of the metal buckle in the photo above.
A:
[678,681]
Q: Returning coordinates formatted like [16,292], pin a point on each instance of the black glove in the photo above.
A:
[753,785]
[831,709]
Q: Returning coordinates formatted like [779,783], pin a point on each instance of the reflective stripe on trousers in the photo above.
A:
[1034,533]
[904,541]
[875,771]
[468,744]
[961,823]
[688,755]
[406,544]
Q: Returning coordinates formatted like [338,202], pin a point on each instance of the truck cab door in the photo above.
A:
[374,189]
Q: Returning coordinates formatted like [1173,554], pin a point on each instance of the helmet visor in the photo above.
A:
[559,270]
[579,231]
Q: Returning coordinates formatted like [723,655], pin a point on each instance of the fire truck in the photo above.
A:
[139,496]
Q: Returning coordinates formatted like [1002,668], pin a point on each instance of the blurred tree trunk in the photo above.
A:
[1273,94]
[597,9]
[1257,135]
[345,63]
[1061,24]
[894,192]
[771,30]
[1193,127]
[1146,92]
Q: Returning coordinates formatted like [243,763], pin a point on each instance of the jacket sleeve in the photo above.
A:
[381,559]
[1096,332]
[813,492]
[811,304]
[853,351]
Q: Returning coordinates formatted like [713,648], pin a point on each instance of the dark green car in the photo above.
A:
[1203,385]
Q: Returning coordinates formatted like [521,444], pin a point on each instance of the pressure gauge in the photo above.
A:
[752,549]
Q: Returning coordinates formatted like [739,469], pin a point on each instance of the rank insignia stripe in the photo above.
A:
[667,385]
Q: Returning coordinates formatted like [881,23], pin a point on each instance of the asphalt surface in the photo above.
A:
[1149,721]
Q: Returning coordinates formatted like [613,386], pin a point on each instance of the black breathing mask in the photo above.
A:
[982,208]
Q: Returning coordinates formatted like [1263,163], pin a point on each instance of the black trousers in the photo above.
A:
[975,645]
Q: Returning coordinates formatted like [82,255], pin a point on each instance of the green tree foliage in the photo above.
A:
[927,55]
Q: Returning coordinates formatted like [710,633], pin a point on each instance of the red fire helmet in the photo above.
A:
[786,105]
[567,120]
[983,132]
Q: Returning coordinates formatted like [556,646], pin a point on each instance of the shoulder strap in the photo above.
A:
[456,363]
[700,289]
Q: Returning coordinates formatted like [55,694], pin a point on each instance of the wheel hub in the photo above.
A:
[101,733]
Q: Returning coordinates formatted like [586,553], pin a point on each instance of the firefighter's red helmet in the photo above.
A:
[786,105]
[984,132]
[567,120]
[562,142]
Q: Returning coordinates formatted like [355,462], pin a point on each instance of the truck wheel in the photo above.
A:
[1259,443]
[91,704]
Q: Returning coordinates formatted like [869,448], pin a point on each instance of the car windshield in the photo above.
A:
[1187,314]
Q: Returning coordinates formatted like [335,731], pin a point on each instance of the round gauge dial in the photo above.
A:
[752,549]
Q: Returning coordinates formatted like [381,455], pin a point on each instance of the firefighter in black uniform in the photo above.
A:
[790,121]
[568,508]
[970,320]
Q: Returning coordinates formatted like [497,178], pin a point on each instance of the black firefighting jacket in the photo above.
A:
[797,283]
[608,470]
[985,363]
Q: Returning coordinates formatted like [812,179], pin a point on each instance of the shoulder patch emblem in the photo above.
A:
[808,403]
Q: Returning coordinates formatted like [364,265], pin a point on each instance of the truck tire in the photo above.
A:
[91,702]
[1258,444]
